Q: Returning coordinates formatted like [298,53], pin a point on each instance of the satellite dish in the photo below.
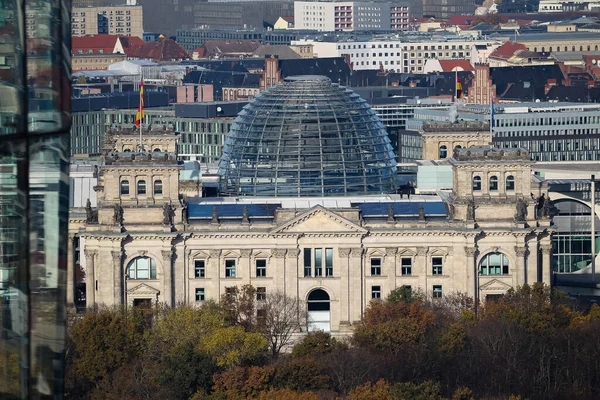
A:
[219,109]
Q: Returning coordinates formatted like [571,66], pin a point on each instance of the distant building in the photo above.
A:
[448,8]
[191,39]
[284,23]
[351,15]
[240,14]
[112,20]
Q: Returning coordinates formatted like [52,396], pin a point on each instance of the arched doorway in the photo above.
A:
[319,314]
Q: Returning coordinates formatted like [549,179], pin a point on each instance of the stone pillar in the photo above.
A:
[117,276]
[421,268]
[71,271]
[277,267]
[389,266]
[90,278]
[167,256]
[546,263]
[472,272]
[245,268]
[289,276]
[532,265]
[213,272]
[520,272]
[344,271]
[356,286]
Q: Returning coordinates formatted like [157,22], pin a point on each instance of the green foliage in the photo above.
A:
[392,327]
[416,391]
[379,391]
[231,346]
[301,374]
[405,294]
[317,343]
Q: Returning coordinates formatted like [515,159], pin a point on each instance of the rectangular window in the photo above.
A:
[261,268]
[261,293]
[307,262]
[437,291]
[437,264]
[261,316]
[375,292]
[199,269]
[229,268]
[328,262]
[375,266]
[318,262]
[199,294]
[406,266]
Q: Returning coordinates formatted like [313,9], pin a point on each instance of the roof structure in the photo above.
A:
[219,48]
[507,50]
[281,51]
[161,50]
[93,44]
[525,83]
[456,65]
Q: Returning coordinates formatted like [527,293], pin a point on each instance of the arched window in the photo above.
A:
[588,48]
[476,183]
[141,187]
[158,187]
[125,186]
[458,147]
[535,49]
[141,268]
[596,48]
[510,182]
[494,264]
[127,151]
[573,48]
[544,49]
[443,152]
[318,311]
[550,49]
[493,183]
[157,150]
[580,48]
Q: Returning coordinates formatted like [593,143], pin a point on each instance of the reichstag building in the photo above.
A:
[308,207]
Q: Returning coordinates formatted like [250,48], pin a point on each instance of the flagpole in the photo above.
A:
[491,115]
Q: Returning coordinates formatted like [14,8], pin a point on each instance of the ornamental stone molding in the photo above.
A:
[470,251]
[422,251]
[167,254]
[344,252]
[246,253]
[356,252]
[279,253]
[391,251]
[90,253]
[215,253]
[292,253]
[546,248]
[142,253]
[116,255]
[521,251]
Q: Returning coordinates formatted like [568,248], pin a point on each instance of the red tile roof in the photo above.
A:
[288,19]
[129,41]
[162,50]
[456,65]
[92,44]
[201,52]
[507,50]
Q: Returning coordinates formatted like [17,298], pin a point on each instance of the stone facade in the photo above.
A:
[440,142]
[145,248]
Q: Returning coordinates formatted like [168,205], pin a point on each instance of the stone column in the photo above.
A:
[472,272]
[245,268]
[532,265]
[520,272]
[167,256]
[117,276]
[90,278]
[356,284]
[389,266]
[421,268]
[71,271]
[546,263]
[213,272]
[344,271]
[276,268]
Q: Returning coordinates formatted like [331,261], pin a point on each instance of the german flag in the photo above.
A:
[459,91]
[140,114]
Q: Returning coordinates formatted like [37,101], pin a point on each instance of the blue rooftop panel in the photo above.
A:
[401,209]
[203,211]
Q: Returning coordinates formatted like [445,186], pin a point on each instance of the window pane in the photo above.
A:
[318,262]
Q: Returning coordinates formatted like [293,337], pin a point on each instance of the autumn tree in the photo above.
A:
[231,346]
[280,317]
[317,343]
[240,305]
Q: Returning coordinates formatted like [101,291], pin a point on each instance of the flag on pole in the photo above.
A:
[140,114]
[459,91]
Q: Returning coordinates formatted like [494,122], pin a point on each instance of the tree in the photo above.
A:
[317,343]
[379,391]
[240,304]
[301,374]
[231,346]
[281,317]
[405,294]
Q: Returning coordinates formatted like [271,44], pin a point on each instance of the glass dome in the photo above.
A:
[307,137]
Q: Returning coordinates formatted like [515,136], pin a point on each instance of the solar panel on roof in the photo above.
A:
[401,208]
[202,211]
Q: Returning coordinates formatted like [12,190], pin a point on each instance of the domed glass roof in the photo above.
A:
[307,137]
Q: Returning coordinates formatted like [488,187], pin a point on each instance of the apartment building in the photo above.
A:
[112,20]
[351,16]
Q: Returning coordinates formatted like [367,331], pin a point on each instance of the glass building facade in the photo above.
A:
[307,137]
[35,118]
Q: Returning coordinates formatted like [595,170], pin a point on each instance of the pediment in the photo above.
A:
[319,220]
[143,289]
[495,284]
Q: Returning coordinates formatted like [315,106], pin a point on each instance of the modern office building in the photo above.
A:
[122,20]
[151,240]
[444,9]
[191,39]
[240,15]
[329,16]
[549,131]
[34,166]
